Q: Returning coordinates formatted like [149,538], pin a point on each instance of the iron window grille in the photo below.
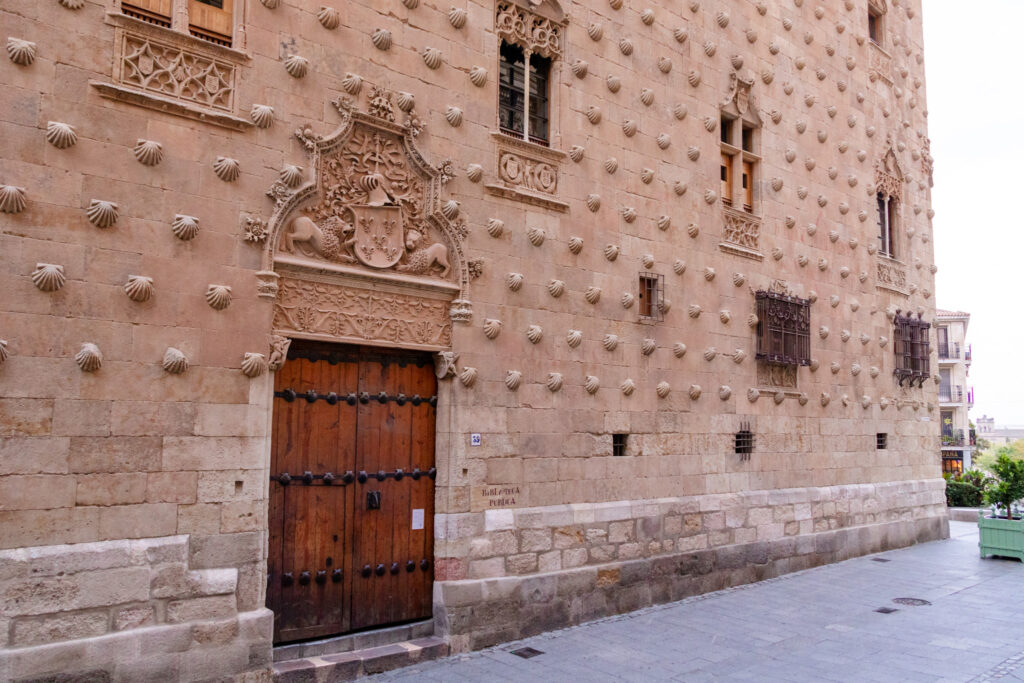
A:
[652,297]
[783,329]
[619,444]
[911,346]
[744,441]
[881,441]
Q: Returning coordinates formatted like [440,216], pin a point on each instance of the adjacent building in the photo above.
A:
[998,436]
[956,396]
[489,317]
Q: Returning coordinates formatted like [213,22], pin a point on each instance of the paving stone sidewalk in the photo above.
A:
[816,625]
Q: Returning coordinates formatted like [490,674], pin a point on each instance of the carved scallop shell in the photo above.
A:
[513,378]
[777,253]
[593,114]
[694,310]
[514,281]
[679,111]
[457,17]
[48,277]
[432,57]
[693,153]
[776,183]
[814,365]
[709,273]
[573,338]
[405,101]
[270,4]
[89,357]
[694,392]
[611,164]
[72,4]
[218,297]
[478,76]
[534,333]
[648,261]
[148,152]
[556,288]
[60,135]
[468,376]
[627,387]
[710,353]
[627,300]
[626,46]
[628,214]
[575,244]
[679,349]
[595,31]
[554,382]
[592,294]
[450,209]
[139,288]
[753,394]
[826,398]
[823,264]
[679,266]
[767,76]
[591,384]
[593,200]
[492,328]
[175,361]
[710,196]
[611,252]
[648,346]
[752,320]
[679,187]
[454,116]
[185,227]
[576,153]
[328,17]
[21,52]
[474,172]
[823,332]
[724,392]
[802,260]
[614,84]
[647,97]
[262,115]
[724,316]
[536,236]
[834,367]
[226,168]
[12,199]
[253,364]
[580,68]
[664,222]
[102,214]
[495,226]
[873,371]
[629,128]
[693,77]
[296,65]
[610,342]
[664,64]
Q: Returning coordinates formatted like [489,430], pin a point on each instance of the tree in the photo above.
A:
[987,460]
[1009,485]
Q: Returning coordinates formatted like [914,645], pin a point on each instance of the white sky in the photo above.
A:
[973,65]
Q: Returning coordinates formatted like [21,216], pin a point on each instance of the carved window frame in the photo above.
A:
[741,221]
[527,171]
[890,270]
[783,329]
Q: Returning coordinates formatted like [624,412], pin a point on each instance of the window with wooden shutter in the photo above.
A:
[911,347]
[156,12]
[783,329]
[211,20]
[726,176]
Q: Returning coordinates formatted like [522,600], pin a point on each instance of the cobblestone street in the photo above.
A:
[818,625]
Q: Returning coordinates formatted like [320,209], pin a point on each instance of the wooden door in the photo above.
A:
[351,491]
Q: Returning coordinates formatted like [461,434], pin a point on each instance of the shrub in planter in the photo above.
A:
[1003,534]
[966,490]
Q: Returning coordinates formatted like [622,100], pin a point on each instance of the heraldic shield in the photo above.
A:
[379,238]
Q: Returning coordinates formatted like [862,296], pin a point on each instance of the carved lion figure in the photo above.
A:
[421,260]
[333,241]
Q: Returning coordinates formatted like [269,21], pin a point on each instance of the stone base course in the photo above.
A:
[132,610]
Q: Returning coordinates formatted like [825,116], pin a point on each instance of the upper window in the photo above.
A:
[910,343]
[522,99]
[211,20]
[739,127]
[886,225]
[876,19]
[783,328]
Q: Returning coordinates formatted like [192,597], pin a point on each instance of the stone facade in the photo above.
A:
[173,210]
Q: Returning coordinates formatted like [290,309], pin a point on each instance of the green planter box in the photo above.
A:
[1003,537]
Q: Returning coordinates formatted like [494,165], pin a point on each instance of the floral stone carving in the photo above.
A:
[176,72]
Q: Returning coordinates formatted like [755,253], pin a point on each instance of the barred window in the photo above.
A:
[783,329]
[652,296]
[910,344]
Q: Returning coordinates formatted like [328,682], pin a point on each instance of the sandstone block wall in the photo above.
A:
[132,453]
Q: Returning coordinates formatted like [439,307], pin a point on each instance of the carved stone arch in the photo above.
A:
[536,26]
[889,175]
[369,228]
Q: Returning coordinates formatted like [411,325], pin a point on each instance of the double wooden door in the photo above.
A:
[351,490]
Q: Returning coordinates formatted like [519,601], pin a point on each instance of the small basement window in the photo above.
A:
[744,441]
[619,444]
[881,441]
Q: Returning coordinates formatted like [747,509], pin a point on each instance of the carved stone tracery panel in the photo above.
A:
[741,233]
[891,275]
[889,176]
[530,28]
[173,71]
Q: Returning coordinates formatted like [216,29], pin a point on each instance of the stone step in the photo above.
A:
[347,666]
[355,641]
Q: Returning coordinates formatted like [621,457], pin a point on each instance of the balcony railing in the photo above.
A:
[949,351]
[951,394]
[967,353]
[954,437]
